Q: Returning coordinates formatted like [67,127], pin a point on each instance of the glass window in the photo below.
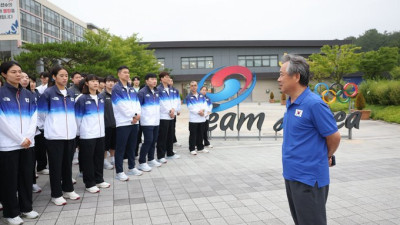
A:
[258,60]
[161,63]
[274,61]
[209,62]
[197,62]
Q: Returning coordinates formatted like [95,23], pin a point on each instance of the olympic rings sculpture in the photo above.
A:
[338,91]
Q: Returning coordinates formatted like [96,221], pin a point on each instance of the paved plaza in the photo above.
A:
[240,182]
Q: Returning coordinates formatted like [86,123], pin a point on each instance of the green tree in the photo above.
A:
[334,62]
[372,40]
[101,54]
[375,63]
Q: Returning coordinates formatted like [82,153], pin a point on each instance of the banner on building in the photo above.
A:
[9,17]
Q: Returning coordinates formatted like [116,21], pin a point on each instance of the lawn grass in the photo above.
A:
[378,112]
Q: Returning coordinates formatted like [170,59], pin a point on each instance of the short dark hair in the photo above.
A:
[109,78]
[136,78]
[150,75]
[75,73]
[204,87]
[45,74]
[121,68]
[85,88]
[32,78]
[101,79]
[5,66]
[163,74]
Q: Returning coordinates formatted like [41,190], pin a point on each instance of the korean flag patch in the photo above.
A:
[298,112]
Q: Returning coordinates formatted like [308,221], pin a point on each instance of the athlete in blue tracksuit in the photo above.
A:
[167,115]
[89,114]
[57,119]
[18,117]
[149,121]
[197,106]
[127,110]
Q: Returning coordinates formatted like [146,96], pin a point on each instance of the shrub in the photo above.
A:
[271,95]
[283,97]
[384,92]
[360,101]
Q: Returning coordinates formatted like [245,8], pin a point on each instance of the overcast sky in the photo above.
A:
[187,20]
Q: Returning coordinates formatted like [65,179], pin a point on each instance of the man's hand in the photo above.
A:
[135,119]
[26,143]
[201,112]
[172,113]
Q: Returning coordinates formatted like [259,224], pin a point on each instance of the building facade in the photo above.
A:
[35,21]
[191,60]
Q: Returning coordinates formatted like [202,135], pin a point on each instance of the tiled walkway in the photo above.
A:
[240,182]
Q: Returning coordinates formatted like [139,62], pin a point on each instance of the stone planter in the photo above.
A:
[283,102]
[272,101]
[365,114]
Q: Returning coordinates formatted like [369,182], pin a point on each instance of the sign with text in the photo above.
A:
[8,17]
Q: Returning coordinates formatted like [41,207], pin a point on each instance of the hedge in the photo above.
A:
[384,92]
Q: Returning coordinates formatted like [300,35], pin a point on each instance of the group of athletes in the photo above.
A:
[97,122]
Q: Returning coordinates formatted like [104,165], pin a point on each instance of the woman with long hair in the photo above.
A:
[89,114]
[57,119]
[18,117]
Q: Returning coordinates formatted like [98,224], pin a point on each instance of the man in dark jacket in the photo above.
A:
[109,122]
[75,78]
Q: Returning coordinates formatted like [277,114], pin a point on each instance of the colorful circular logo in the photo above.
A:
[231,86]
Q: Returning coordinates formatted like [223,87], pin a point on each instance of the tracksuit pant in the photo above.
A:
[16,176]
[92,156]
[148,147]
[205,134]
[126,142]
[60,153]
[40,152]
[165,139]
[196,136]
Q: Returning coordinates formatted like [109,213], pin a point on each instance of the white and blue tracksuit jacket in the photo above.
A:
[18,117]
[177,99]
[150,107]
[167,102]
[125,103]
[209,107]
[57,114]
[195,104]
[90,117]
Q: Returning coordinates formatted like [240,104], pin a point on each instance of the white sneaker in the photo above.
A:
[80,175]
[144,167]
[75,160]
[93,189]
[36,175]
[59,201]
[112,160]
[162,160]
[73,181]
[204,151]
[107,165]
[1,206]
[176,156]
[103,185]
[122,176]
[125,160]
[15,220]
[71,195]
[36,188]
[209,146]
[177,144]
[154,163]
[135,172]
[194,152]
[30,215]
[44,172]
[136,157]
